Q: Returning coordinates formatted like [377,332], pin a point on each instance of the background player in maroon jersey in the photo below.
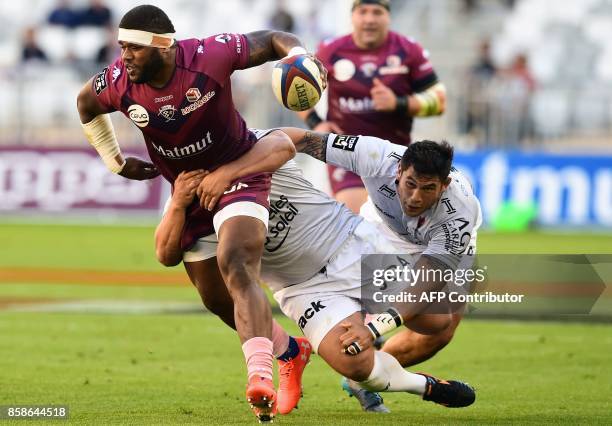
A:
[179,94]
[378,81]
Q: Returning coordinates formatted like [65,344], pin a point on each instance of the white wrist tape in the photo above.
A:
[101,135]
[297,50]
[385,322]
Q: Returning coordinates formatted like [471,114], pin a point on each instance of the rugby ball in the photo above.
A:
[296,82]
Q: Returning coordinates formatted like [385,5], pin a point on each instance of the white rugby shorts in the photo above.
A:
[320,303]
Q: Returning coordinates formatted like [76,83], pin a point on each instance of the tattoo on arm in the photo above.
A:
[269,45]
[313,144]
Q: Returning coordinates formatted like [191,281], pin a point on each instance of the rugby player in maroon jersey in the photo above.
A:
[378,81]
[178,93]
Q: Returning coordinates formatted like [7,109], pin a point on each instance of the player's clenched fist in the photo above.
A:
[137,169]
[383,97]
[185,187]
[212,187]
[356,338]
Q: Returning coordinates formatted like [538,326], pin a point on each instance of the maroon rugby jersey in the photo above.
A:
[191,123]
[400,63]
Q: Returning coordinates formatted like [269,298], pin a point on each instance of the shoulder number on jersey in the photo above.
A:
[395,156]
[449,207]
[100,82]
[345,142]
[387,192]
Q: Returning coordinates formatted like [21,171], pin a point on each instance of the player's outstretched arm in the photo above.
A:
[268,45]
[169,231]
[100,133]
[266,156]
[308,142]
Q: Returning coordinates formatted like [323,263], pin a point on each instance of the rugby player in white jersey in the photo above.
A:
[426,208]
[311,261]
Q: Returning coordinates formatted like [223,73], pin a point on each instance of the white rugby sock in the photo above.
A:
[389,376]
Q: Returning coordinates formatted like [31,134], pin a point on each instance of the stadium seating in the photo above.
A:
[548,34]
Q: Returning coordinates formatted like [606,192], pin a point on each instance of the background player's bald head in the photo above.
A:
[384,3]
[147,18]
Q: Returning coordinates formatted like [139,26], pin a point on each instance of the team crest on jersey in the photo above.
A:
[100,82]
[167,111]
[368,69]
[138,115]
[345,142]
[193,94]
[394,66]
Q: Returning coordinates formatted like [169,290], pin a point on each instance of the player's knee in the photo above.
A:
[358,368]
[237,266]
[440,323]
[434,343]
[443,338]
[430,324]
[240,254]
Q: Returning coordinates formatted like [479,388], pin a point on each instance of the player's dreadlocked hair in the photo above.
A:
[147,18]
[429,158]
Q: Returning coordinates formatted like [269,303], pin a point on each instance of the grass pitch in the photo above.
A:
[187,369]
[182,368]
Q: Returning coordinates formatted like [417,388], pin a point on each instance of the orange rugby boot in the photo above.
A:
[290,377]
[261,396]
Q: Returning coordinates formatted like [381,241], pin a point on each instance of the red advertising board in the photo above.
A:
[69,179]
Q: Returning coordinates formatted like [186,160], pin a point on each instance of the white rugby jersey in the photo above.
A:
[306,228]
[447,231]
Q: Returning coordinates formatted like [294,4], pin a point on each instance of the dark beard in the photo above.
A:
[155,64]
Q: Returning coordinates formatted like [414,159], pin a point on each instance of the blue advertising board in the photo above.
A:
[568,189]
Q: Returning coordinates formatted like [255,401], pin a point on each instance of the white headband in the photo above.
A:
[146,38]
